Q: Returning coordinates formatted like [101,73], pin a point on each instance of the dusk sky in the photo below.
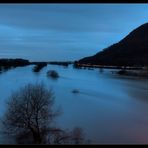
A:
[42,32]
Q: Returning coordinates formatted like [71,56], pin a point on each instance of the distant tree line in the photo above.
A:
[6,64]
[60,63]
[13,62]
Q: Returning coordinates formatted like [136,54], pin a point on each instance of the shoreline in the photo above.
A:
[23,62]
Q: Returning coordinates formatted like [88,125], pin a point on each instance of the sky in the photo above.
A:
[65,32]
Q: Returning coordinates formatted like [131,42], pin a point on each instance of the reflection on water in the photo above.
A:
[109,108]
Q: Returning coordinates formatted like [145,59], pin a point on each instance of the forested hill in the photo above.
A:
[130,51]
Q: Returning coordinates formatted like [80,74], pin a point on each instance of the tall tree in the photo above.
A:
[30,113]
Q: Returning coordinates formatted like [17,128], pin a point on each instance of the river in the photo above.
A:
[110,109]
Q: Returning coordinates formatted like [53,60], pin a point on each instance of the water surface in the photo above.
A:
[109,108]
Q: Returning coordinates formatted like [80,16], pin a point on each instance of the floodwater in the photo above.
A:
[110,109]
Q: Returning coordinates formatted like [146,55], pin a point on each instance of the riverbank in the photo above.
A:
[78,65]
[6,64]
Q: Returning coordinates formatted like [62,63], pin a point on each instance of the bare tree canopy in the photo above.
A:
[29,113]
[29,118]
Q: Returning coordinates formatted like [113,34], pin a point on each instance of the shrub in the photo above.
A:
[75,91]
[53,74]
[39,66]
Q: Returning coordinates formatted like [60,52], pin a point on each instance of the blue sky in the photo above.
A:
[41,32]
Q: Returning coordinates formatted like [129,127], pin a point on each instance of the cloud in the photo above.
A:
[66,27]
[73,18]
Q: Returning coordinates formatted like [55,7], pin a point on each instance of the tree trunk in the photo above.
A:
[36,137]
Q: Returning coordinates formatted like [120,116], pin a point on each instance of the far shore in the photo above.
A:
[79,65]
[23,62]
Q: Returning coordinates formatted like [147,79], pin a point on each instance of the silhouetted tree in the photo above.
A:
[29,118]
[29,114]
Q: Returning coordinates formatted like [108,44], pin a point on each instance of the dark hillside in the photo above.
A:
[130,51]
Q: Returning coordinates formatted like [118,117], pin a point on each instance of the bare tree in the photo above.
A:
[29,118]
[30,113]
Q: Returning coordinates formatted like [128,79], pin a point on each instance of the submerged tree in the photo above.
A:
[53,74]
[29,113]
[39,66]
